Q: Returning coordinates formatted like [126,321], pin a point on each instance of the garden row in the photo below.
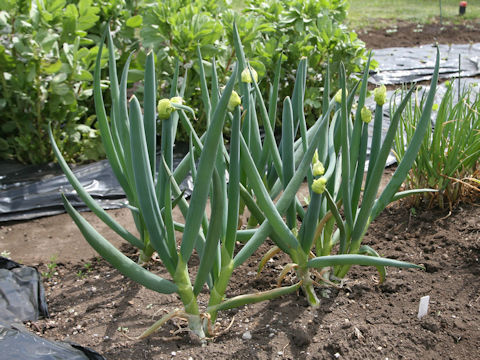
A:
[331,155]
[231,96]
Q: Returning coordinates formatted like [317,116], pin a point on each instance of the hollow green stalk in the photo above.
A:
[217,294]
[189,300]
[300,258]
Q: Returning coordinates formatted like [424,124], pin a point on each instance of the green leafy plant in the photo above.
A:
[126,19]
[336,238]
[51,266]
[314,29]
[448,158]
[257,170]
[129,138]
[87,268]
[47,53]
[45,72]
[44,77]
[173,30]
[269,30]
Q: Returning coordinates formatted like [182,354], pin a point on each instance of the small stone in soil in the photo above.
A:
[247,335]
[346,324]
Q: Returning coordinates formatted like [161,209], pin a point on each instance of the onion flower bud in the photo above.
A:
[234,101]
[318,185]
[246,77]
[164,108]
[380,95]
[318,169]
[338,96]
[177,100]
[315,157]
[366,115]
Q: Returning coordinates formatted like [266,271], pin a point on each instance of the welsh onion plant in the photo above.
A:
[448,158]
[152,190]
[340,148]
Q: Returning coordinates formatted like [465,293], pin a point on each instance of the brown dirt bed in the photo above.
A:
[361,320]
[385,33]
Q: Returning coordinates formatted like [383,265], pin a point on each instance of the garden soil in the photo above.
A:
[92,304]
[387,34]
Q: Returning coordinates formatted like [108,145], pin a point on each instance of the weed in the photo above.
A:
[51,266]
[82,274]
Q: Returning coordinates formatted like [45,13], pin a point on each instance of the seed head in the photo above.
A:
[338,96]
[366,115]
[246,77]
[318,185]
[318,169]
[380,95]
[164,108]
[234,101]
[315,157]
[177,100]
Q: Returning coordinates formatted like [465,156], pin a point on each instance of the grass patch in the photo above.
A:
[425,11]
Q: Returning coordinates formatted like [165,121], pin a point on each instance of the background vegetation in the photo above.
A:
[47,50]
[448,160]
[47,53]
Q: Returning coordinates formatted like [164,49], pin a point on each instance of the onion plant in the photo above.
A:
[263,176]
[129,138]
[448,158]
[343,202]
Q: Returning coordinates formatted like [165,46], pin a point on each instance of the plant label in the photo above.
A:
[423,307]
